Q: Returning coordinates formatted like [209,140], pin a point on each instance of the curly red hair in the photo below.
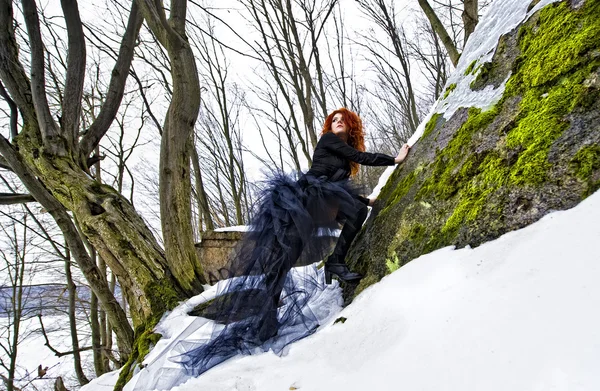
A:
[356,138]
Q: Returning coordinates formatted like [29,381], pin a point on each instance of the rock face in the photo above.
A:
[479,174]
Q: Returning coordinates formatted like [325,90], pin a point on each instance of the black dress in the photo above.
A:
[290,215]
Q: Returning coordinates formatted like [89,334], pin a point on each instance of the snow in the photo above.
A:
[178,327]
[235,228]
[519,312]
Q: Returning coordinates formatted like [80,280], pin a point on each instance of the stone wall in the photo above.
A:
[214,251]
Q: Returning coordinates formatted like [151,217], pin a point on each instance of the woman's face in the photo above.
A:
[338,125]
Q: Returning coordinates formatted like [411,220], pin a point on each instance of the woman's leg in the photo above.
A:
[350,229]
[336,263]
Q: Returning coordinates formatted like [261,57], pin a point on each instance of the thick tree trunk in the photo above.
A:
[63,220]
[174,175]
[117,232]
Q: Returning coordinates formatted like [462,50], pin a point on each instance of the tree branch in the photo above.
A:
[4,164]
[441,31]
[15,198]
[56,352]
[75,71]
[156,19]
[12,73]
[116,87]
[14,113]
[51,135]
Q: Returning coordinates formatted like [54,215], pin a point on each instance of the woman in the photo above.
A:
[337,156]
[291,213]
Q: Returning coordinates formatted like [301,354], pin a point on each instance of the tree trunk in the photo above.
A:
[72,289]
[174,169]
[438,27]
[96,345]
[470,17]
[203,206]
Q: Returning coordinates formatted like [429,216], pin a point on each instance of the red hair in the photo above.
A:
[356,138]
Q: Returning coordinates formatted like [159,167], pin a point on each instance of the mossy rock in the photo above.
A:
[450,88]
[480,174]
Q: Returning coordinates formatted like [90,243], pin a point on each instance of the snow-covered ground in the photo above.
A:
[517,313]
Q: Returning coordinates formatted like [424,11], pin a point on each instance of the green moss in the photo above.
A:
[450,88]
[541,122]
[431,125]
[392,264]
[470,68]
[586,161]
[402,188]
[550,79]
[558,43]
[473,198]
[483,72]
[145,340]
[444,180]
[162,297]
[366,282]
[585,164]
[417,232]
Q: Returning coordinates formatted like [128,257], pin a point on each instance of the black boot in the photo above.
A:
[340,269]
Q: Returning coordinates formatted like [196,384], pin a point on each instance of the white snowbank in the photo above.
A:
[517,313]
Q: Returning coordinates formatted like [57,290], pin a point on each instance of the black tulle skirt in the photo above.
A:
[259,306]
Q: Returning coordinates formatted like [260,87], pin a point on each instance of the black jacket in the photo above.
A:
[332,159]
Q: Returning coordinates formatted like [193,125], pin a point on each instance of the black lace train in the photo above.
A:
[259,306]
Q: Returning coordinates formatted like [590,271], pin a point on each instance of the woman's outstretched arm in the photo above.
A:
[339,147]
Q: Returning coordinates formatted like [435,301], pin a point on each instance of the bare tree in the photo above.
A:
[221,109]
[50,157]
[440,29]
[394,110]
[290,32]
[14,269]
[427,50]
[470,18]
[342,79]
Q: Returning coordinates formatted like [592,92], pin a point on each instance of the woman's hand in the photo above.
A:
[372,201]
[402,154]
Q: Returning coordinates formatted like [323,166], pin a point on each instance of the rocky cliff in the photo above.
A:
[517,135]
